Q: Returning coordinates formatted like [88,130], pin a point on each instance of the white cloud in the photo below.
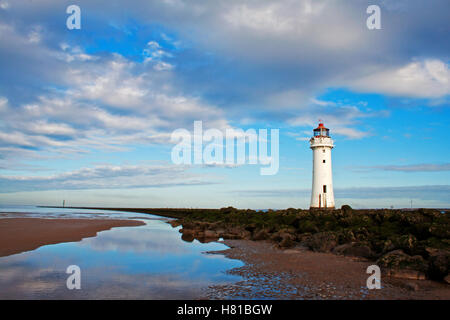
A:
[424,167]
[110,103]
[106,177]
[4,5]
[425,79]
[344,120]
[35,34]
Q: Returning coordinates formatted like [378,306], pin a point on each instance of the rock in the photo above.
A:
[439,231]
[185,231]
[346,209]
[188,225]
[447,279]
[406,274]
[187,237]
[199,234]
[411,286]
[230,236]
[388,246]
[174,223]
[322,242]
[227,210]
[346,236]
[260,235]
[354,249]
[206,240]
[211,234]
[406,242]
[400,265]
[284,238]
[439,264]
[287,242]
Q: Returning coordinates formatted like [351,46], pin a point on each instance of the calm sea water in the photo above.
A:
[145,262]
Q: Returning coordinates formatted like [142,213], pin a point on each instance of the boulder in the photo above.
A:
[405,274]
[406,242]
[398,264]
[354,249]
[439,264]
[260,235]
[230,236]
[284,238]
[287,241]
[186,232]
[174,223]
[322,241]
[388,246]
[211,234]
[346,209]
[187,237]
[447,279]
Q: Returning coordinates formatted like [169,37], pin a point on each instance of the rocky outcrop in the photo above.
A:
[284,238]
[322,241]
[439,263]
[398,264]
[354,249]
[262,234]
[447,279]
[408,244]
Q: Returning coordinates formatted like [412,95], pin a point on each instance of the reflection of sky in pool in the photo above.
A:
[146,262]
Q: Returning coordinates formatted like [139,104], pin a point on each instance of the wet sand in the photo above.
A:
[272,273]
[25,234]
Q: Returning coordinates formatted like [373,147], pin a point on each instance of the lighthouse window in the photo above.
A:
[324,189]
[323,161]
[323,150]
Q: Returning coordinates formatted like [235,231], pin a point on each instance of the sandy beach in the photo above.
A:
[298,273]
[25,234]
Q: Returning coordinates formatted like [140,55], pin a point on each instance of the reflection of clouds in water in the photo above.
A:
[139,240]
[154,237]
[146,262]
[23,281]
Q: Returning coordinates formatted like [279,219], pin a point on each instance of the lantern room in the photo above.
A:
[321,131]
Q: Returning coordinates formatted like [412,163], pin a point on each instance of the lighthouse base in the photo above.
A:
[321,208]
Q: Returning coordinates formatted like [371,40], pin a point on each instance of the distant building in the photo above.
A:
[322,195]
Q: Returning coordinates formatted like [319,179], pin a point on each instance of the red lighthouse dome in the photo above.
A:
[321,131]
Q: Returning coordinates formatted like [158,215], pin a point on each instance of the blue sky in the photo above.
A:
[86,115]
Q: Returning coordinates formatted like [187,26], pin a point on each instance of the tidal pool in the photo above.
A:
[145,262]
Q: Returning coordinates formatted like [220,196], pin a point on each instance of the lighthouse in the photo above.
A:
[322,185]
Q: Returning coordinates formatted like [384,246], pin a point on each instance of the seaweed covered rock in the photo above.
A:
[407,243]
[439,264]
[398,264]
[322,241]
[346,209]
[261,234]
[285,238]
[228,210]
[354,249]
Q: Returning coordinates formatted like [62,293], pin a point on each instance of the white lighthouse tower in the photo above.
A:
[322,195]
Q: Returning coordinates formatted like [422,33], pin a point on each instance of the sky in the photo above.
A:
[86,115]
